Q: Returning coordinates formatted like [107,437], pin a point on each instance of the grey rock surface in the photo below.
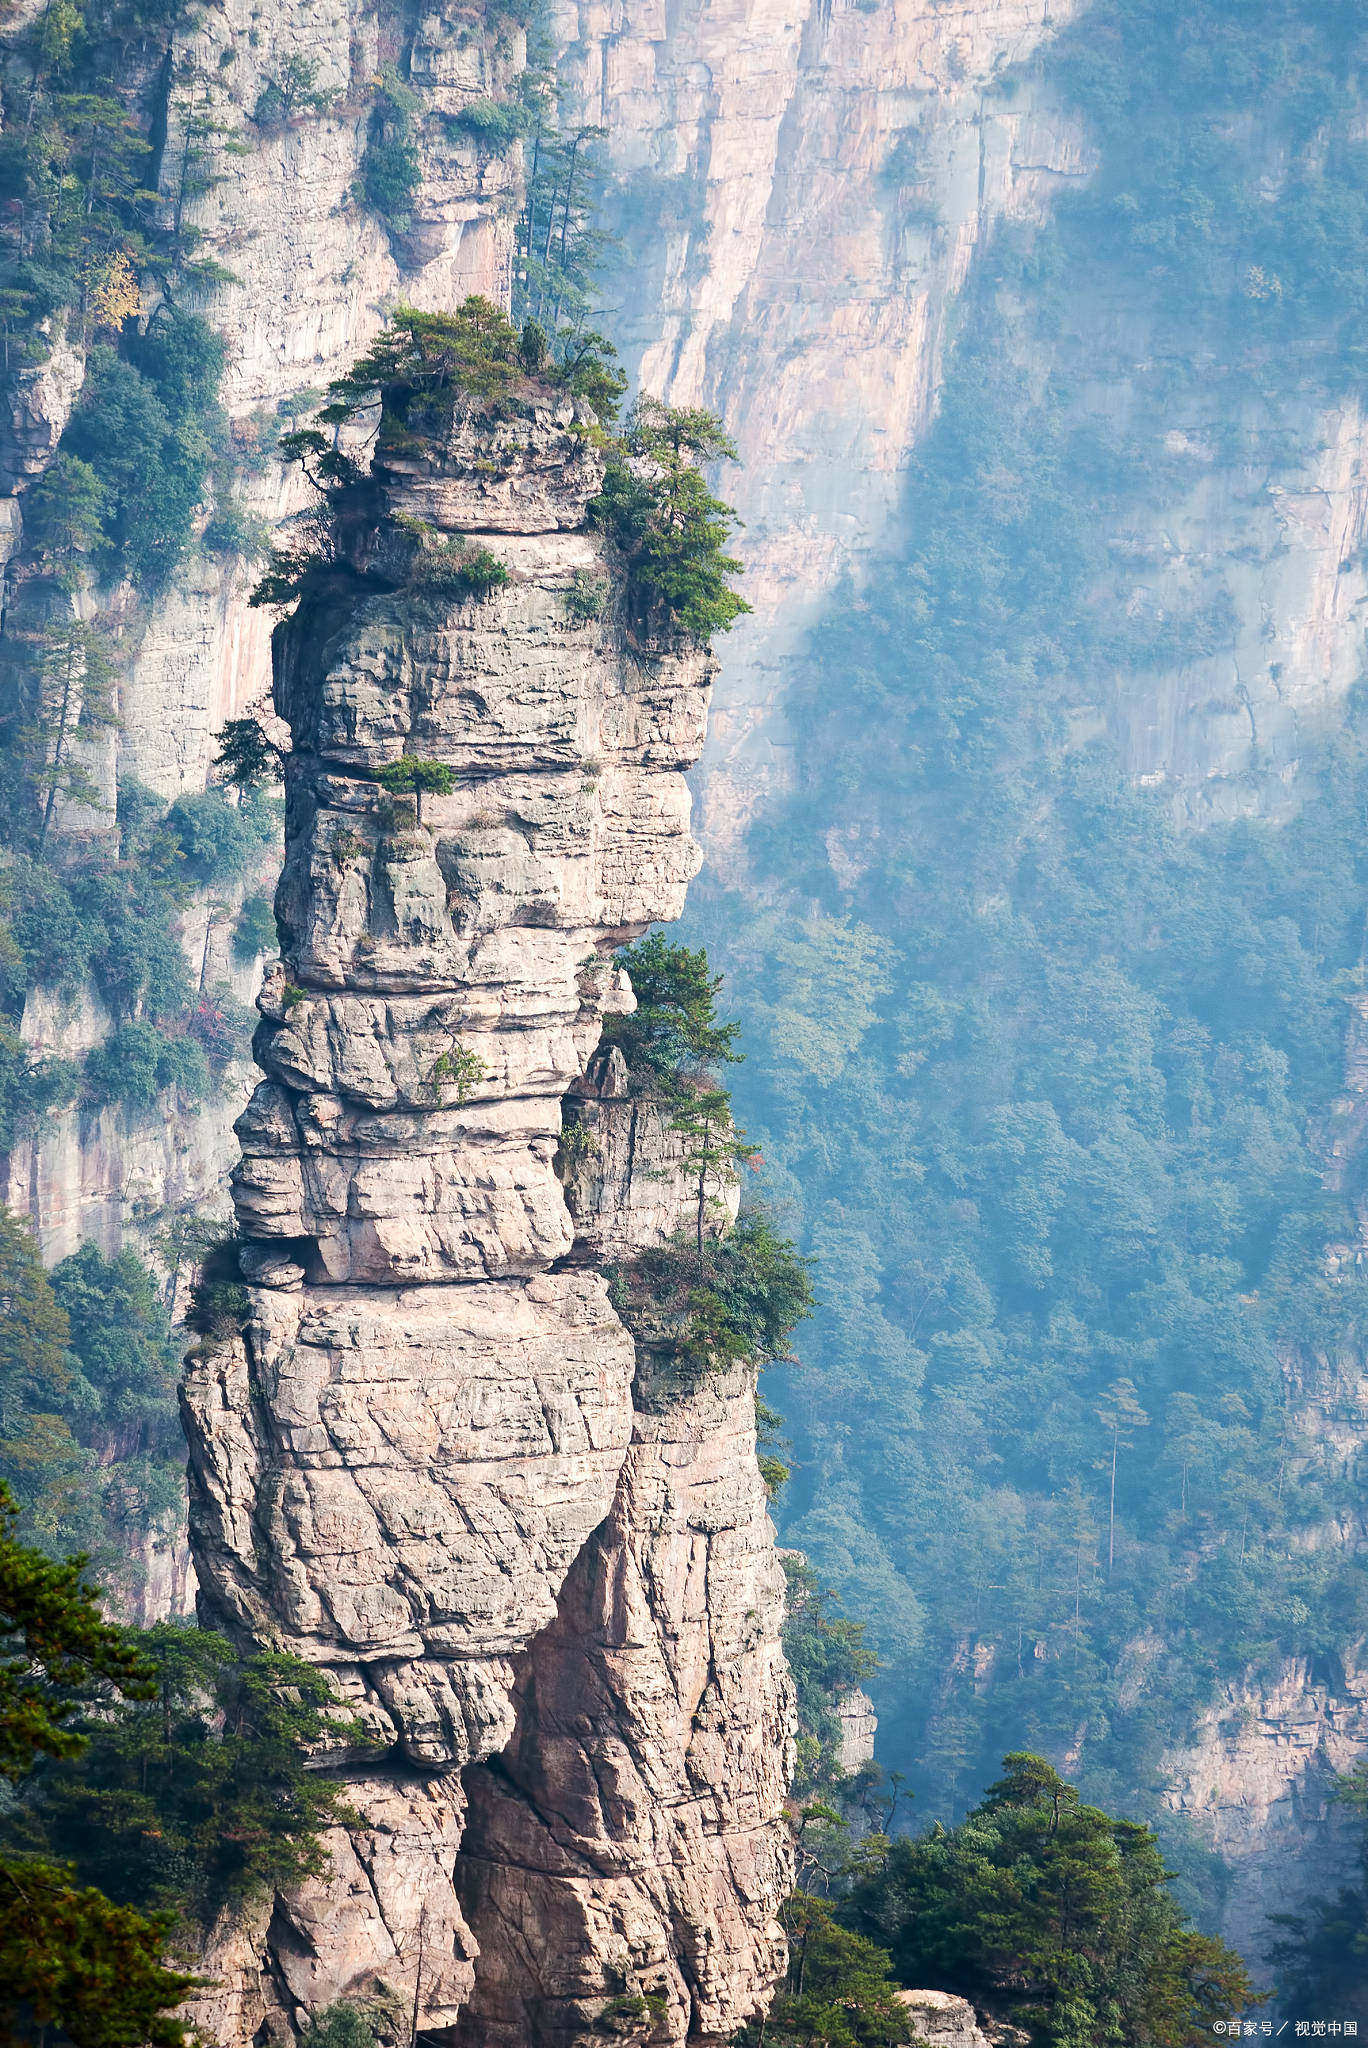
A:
[421,1465]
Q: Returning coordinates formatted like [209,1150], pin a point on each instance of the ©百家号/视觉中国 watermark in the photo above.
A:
[1320,2030]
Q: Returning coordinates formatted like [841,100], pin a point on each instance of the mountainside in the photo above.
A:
[1034,809]
[1042,333]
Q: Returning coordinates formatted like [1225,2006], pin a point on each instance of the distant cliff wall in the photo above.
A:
[805,192]
[309,269]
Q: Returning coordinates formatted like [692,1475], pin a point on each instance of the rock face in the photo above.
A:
[807,187]
[309,271]
[807,184]
[554,1609]
[940,2020]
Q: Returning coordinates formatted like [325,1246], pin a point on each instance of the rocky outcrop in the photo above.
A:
[308,272]
[1258,1781]
[554,1611]
[940,2020]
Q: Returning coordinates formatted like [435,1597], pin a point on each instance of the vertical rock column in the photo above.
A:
[622,1862]
[403,1460]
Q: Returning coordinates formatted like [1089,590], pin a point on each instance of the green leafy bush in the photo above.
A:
[219,1302]
[137,1062]
[218,839]
[390,166]
[494,124]
[674,1028]
[90,1435]
[671,531]
[255,930]
[741,1297]
[453,568]
[142,434]
[294,91]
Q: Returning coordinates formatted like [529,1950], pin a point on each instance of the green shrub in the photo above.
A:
[219,1302]
[494,124]
[218,839]
[137,1062]
[135,958]
[255,931]
[234,531]
[390,164]
[453,568]
[181,357]
[151,465]
[699,1310]
[293,92]
[670,529]
[89,1429]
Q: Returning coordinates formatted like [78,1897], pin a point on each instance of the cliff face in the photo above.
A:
[806,186]
[308,271]
[806,190]
[421,1465]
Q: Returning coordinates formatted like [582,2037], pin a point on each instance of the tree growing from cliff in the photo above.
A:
[415,778]
[670,529]
[247,757]
[674,1027]
[713,1149]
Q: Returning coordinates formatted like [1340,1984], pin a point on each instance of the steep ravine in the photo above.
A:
[553,1603]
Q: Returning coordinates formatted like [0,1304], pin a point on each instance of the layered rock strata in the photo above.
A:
[421,1465]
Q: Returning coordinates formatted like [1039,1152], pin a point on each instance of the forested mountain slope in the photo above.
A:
[1052,1084]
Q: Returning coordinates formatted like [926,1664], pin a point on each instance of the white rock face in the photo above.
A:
[813,183]
[809,187]
[940,2020]
[422,1466]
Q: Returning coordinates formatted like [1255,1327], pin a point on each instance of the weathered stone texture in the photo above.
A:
[421,1466]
